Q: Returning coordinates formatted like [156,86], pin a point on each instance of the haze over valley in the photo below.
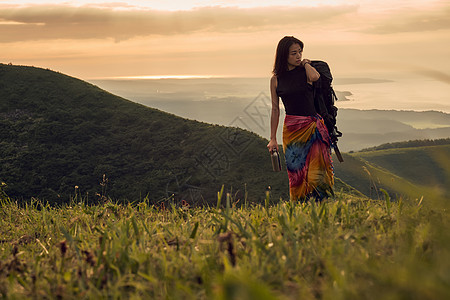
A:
[245,103]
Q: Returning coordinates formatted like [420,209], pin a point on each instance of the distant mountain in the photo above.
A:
[368,128]
[409,144]
[402,169]
[245,103]
[60,136]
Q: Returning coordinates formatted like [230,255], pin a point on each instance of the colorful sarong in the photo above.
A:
[307,149]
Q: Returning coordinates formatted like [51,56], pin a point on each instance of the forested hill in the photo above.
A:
[60,135]
[409,144]
[410,169]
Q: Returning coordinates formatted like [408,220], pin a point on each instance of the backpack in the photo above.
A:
[324,97]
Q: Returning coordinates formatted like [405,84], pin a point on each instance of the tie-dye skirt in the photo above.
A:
[307,149]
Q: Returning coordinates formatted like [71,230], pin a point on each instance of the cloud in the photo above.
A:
[87,22]
[413,21]
[434,74]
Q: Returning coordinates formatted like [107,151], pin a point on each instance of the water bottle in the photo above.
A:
[276,163]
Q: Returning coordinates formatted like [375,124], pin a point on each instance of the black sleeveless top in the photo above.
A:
[296,93]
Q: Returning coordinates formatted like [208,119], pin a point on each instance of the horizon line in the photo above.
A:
[139,77]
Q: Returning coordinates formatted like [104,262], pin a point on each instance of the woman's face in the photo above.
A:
[295,56]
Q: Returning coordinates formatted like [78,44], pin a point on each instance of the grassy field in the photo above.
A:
[345,248]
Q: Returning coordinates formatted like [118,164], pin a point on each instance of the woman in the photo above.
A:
[306,142]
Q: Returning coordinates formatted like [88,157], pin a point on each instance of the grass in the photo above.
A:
[427,165]
[412,172]
[346,248]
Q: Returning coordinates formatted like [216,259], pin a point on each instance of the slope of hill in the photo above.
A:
[60,135]
[369,128]
[409,144]
[412,171]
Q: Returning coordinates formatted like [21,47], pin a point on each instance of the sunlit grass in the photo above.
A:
[344,248]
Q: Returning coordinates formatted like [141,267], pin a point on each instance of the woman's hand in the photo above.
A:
[311,73]
[272,145]
[305,61]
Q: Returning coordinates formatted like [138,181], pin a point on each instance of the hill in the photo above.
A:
[401,169]
[60,136]
[370,128]
[409,144]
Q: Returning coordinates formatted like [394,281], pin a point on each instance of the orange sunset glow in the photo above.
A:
[99,39]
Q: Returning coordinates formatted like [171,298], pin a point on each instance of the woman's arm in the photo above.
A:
[275,115]
[311,72]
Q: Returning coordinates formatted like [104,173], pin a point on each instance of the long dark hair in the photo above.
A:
[282,55]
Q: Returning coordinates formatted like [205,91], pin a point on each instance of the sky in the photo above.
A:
[92,39]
